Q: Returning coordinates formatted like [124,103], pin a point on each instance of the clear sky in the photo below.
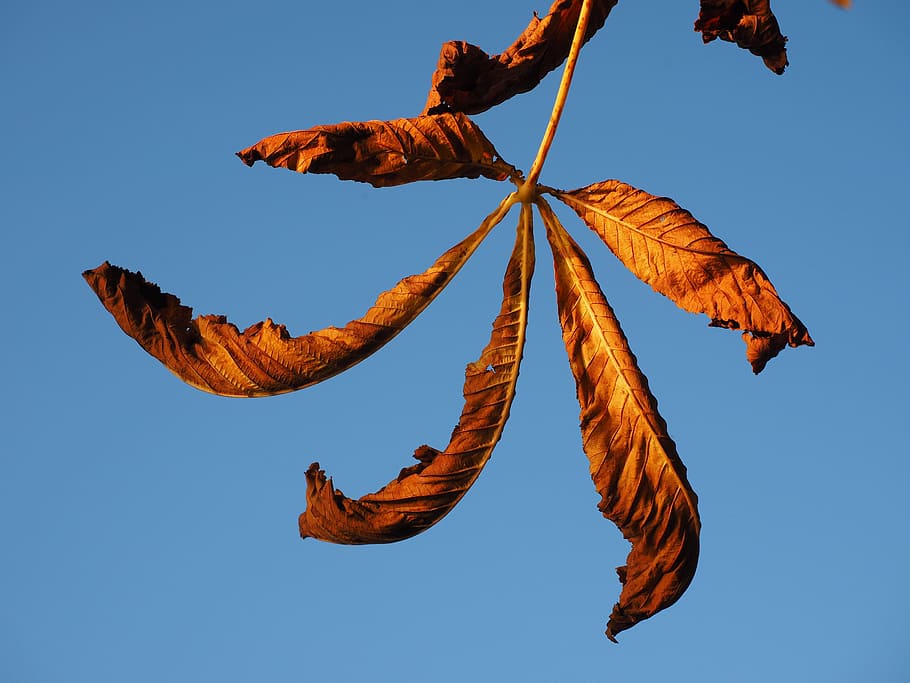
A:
[149,530]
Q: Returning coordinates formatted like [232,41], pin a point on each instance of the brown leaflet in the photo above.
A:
[211,354]
[386,153]
[748,23]
[666,247]
[633,461]
[424,493]
[469,80]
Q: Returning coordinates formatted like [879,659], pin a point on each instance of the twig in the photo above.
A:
[527,190]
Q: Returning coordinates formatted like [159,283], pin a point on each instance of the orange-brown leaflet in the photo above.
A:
[386,153]
[424,493]
[633,461]
[211,354]
[748,23]
[469,80]
[663,245]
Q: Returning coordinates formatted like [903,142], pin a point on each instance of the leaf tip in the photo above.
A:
[316,482]
[618,621]
[249,156]
[762,347]
[95,277]
[91,273]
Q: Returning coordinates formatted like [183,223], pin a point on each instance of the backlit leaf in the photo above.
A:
[424,493]
[666,247]
[748,23]
[633,461]
[211,354]
[469,80]
[386,153]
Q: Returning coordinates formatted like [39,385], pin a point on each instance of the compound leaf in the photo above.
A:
[424,493]
[666,247]
[469,80]
[386,153]
[633,461]
[211,354]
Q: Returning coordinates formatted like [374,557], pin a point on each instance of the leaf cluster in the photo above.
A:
[634,463]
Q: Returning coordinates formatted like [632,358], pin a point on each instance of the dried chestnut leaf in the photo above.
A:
[424,493]
[211,354]
[748,23]
[386,153]
[666,247]
[633,461]
[469,80]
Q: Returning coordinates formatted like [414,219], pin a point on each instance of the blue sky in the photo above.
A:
[149,529]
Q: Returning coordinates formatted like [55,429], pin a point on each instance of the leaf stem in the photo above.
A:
[559,104]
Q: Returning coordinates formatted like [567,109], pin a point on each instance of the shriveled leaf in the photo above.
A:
[842,3]
[748,23]
[469,80]
[424,493]
[633,460]
[211,354]
[386,153]
[666,247]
